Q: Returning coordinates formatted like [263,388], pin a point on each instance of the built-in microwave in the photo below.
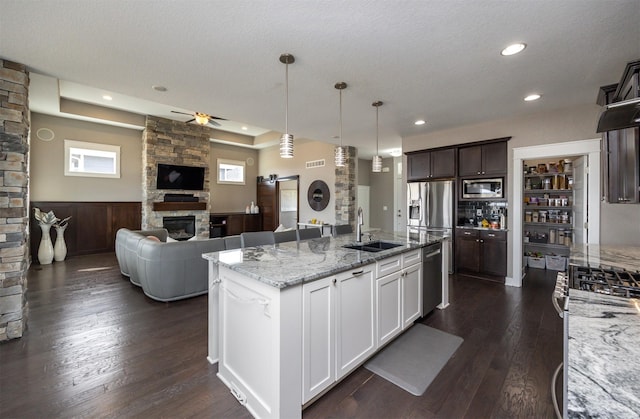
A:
[482,188]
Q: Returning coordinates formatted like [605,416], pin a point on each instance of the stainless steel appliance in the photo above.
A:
[482,188]
[606,281]
[430,209]
[431,277]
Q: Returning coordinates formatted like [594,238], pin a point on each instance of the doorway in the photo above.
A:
[590,149]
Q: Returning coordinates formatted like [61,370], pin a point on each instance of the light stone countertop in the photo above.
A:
[606,256]
[604,356]
[292,263]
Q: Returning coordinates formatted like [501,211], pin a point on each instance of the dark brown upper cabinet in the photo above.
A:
[432,164]
[622,146]
[483,159]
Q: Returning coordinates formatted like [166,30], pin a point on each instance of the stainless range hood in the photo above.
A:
[620,115]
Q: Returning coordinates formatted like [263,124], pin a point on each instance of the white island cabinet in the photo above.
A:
[296,318]
[339,326]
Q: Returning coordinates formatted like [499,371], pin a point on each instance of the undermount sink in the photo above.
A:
[375,246]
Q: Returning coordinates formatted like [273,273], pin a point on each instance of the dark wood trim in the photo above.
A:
[179,206]
[92,227]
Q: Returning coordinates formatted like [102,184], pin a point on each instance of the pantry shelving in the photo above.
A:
[548,210]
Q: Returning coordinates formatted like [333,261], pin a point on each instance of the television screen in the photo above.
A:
[171,176]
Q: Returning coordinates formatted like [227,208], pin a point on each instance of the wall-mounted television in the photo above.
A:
[171,176]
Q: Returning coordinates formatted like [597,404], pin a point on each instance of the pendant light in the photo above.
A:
[376,163]
[286,141]
[340,152]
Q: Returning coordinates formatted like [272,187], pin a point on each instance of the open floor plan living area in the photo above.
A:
[313,209]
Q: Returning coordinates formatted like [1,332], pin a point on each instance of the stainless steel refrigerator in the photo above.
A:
[430,209]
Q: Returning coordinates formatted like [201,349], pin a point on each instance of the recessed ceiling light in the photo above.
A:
[396,153]
[107,97]
[244,128]
[420,122]
[159,88]
[532,97]
[513,49]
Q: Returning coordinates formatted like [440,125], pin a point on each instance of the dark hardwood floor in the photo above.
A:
[97,347]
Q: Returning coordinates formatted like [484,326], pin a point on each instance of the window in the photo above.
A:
[231,172]
[91,159]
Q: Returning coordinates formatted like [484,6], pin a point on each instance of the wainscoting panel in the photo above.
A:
[92,228]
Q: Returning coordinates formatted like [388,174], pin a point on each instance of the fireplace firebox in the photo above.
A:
[180,228]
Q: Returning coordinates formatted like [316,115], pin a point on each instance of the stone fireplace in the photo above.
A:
[173,142]
[180,228]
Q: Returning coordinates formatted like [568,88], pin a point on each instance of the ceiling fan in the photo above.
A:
[202,118]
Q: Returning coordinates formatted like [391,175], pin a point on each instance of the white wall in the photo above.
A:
[270,162]
[569,124]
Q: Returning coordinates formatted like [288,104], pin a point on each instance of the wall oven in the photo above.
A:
[482,188]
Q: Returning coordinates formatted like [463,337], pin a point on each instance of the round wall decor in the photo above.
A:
[318,195]
[45,134]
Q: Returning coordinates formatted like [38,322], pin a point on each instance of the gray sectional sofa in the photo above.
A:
[165,271]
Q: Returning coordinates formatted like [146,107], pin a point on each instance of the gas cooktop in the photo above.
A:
[619,283]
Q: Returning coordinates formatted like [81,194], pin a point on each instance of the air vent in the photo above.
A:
[315,163]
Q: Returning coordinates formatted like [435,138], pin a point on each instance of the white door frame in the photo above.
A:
[590,148]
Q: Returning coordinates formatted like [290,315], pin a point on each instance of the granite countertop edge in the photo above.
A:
[345,259]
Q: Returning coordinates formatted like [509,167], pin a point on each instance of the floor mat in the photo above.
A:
[414,359]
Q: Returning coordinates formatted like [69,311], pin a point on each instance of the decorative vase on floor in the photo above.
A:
[45,250]
[60,248]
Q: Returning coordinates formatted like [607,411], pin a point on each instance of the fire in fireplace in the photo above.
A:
[180,228]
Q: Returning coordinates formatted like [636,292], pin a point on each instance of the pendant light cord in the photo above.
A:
[340,117]
[286,93]
[377,107]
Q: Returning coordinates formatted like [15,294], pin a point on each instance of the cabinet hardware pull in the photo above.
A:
[357,273]
[481,241]
[334,281]
[491,235]
[478,240]
[466,233]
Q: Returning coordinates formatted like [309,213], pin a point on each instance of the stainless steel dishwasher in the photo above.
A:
[431,277]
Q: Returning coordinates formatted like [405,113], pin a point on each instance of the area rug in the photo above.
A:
[414,359]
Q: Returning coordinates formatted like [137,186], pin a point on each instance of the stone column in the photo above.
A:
[346,188]
[14,198]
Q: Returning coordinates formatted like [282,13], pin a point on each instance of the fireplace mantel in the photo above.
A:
[179,206]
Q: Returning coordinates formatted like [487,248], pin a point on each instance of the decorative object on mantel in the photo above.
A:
[45,221]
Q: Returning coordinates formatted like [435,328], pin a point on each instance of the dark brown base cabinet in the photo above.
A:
[92,227]
[481,253]
[232,224]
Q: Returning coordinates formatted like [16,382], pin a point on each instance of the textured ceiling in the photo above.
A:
[436,60]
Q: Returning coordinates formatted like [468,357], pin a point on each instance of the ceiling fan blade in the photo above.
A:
[217,117]
[189,121]
[183,113]
[214,123]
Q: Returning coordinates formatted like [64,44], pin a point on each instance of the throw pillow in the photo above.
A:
[153,238]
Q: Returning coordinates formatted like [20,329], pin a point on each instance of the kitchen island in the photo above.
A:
[296,318]
[603,335]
